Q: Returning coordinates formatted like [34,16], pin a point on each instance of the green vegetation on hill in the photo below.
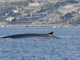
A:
[71,1]
[78,21]
[3,11]
[49,7]
[66,17]
[78,0]
[23,3]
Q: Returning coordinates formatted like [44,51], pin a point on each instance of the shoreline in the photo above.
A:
[3,24]
[50,25]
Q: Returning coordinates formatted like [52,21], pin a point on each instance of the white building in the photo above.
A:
[10,19]
[6,14]
[35,4]
[16,11]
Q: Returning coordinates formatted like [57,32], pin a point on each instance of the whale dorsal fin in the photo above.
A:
[51,33]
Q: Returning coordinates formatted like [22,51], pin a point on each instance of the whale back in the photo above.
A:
[51,33]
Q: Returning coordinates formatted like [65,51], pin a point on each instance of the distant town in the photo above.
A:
[40,13]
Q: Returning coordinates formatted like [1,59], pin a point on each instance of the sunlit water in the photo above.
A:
[66,48]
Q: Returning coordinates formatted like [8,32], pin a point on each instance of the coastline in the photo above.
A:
[48,25]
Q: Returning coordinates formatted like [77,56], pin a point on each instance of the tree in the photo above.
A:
[30,1]
[23,3]
[78,21]
[69,15]
[66,17]
[71,1]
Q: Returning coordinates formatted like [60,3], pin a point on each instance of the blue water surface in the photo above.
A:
[66,48]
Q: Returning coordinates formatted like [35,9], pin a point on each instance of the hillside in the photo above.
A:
[40,12]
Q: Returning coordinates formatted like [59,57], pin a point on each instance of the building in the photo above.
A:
[28,18]
[9,19]
[53,1]
[34,11]
[39,14]
[16,11]
[54,19]
[35,4]
[6,14]
[69,8]
[36,17]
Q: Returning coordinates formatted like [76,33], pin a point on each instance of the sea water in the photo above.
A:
[66,48]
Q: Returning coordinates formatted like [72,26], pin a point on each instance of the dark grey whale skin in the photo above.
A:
[49,35]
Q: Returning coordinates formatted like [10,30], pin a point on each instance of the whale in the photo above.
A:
[48,35]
